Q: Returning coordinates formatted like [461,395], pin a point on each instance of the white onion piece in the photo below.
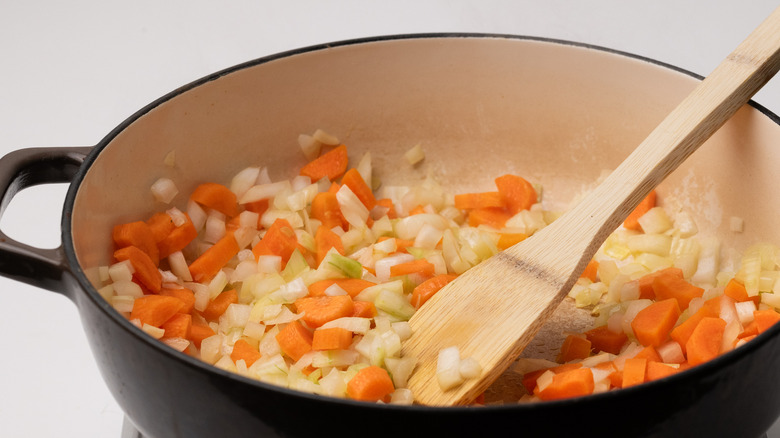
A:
[428,237]
[448,368]
[400,369]
[402,396]
[334,290]
[309,146]
[164,190]
[128,289]
[655,221]
[155,332]
[671,352]
[179,267]
[243,180]
[197,214]
[351,323]
[268,264]
[470,368]
[178,344]
[121,271]
[325,138]
[414,155]
[745,311]
[382,266]
[254,330]
[264,191]
[364,168]
[352,207]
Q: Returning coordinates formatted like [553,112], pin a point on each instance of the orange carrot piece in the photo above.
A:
[370,384]
[765,319]
[683,332]
[319,310]
[750,329]
[206,266]
[574,347]
[364,309]
[419,266]
[279,240]
[178,326]
[634,372]
[244,350]
[670,286]
[517,193]
[705,341]
[161,224]
[470,201]
[604,339]
[217,197]
[359,187]
[146,272]
[352,286]
[178,238]
[529,379]
[199,332]
[331,164]
[649,353]
[139,235]
[591,271]
[490,216]
[653,323]
[646,282]
[294,340]
[155,309]
[738,292]
[388,204]
[219,305]
[185,295]
[632,221]
[425,290]
[658,370]
[334,338]
[505,240]
[572,383]
[325,239]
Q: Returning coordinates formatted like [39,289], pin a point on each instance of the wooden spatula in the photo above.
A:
[492,311]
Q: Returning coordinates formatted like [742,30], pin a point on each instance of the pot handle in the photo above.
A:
[24,168]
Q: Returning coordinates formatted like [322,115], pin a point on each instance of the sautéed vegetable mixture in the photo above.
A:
[309,283]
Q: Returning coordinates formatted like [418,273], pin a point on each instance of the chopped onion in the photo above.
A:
[269,263]
[243,180]
[128,289]
[334,290]
[448,368]
[351,323]
[197,214]
[745,310]
[325,138]
[382,266]
[470,368]
[309,146]
[178,344]
[121,271]
[655,221]
[179,266]
[352,207]
[414,155]
[253,330]
[263,191]
[164,190]
[402,396]
[155,332]
[400,369]
[671,352]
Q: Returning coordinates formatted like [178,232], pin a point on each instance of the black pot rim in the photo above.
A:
[693,374]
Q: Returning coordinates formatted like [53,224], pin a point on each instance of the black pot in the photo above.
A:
[475,98]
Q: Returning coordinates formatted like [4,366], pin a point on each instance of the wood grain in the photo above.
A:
[493,310]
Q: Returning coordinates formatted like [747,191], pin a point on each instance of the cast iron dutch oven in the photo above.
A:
[480,105]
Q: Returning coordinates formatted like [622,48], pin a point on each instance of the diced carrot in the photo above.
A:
[529,378]
[591,271]
[206,266]
[364,309]
[244,350]
[658,370]
[331,164]
[402,244]
[359,187]
[683,331]
[155,309]
[574,347]
[736,290]
[334,187]
[646,282]
[146,272]
[199,332]
[334,338]
[517,193]
[634,372]
[161,224]
[572,383]
[388,204]
[649,353]
[652,324]
[505,240]
[765,319]
[217,197]
[178,238]
[371,383]
[616,379]
[750,329]
[325,239]
[186,295]
[139,235]
[470,201]
[219,305]
[319,310]
[705,341]
[490,216]
[419,266]
[352,286]
[425,290]
[178,326]
[419,209]
[259,206]
[604,339]
[294,340]
[279,239]
[670,286]
[632,221]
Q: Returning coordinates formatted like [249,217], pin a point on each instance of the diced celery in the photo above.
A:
[394,304]
[349,267]
[296,265]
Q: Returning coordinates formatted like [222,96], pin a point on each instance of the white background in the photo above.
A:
[71,71]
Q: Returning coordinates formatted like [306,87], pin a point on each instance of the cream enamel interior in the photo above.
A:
[554,113]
